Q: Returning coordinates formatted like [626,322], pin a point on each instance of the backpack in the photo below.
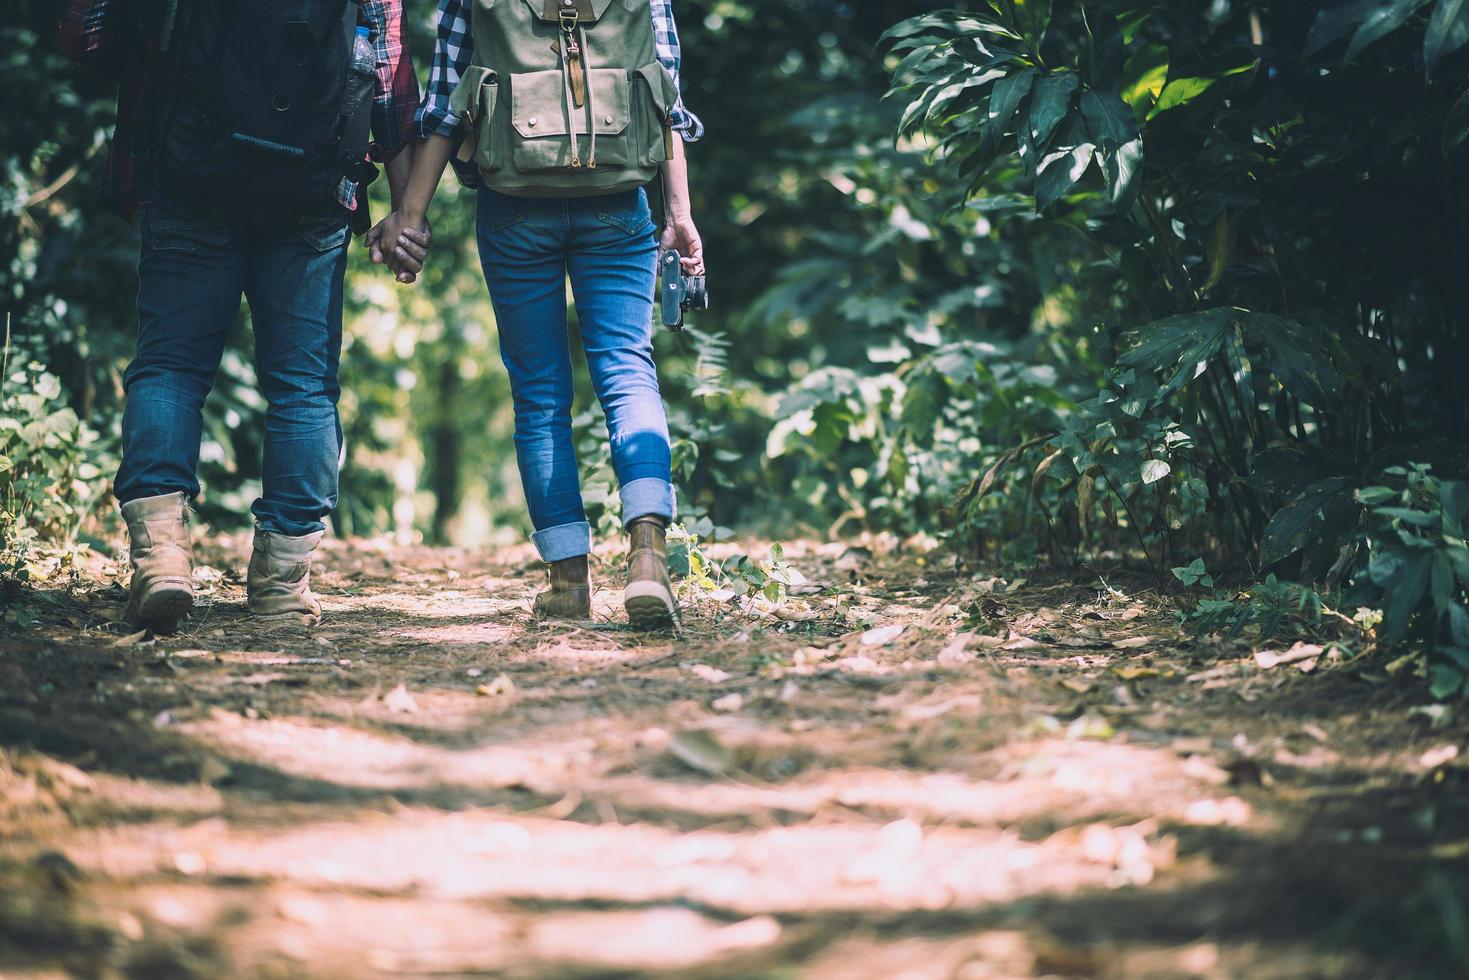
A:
[565,98]
[262,104]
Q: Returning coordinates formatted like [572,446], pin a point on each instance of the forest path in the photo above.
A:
[433,785]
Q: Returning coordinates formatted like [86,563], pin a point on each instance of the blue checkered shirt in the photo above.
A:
[455,50]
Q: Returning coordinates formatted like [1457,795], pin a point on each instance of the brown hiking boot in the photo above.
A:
[649,594]
[279,580]
[570,594]
[162,590]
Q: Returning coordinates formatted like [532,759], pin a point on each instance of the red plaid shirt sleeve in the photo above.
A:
[395,100]
[101,35]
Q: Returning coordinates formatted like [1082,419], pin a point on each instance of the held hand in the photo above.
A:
[681,235]
[400,245]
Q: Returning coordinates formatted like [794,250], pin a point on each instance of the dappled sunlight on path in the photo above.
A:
[432,784]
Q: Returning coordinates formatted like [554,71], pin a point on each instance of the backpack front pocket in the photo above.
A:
[544,116]
[474,102]
[654,95]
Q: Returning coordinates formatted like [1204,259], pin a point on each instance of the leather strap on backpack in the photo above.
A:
[553,10]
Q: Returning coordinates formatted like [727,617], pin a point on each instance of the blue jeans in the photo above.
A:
[191,274]
[527,247]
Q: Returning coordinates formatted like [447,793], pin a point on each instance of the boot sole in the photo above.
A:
[650,609]
[165,607]
[286,618]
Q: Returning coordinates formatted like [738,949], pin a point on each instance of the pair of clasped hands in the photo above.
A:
[400,244]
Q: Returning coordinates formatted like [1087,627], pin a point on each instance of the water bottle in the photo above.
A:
[364,58]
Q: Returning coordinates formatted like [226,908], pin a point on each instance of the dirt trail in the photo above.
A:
[433,785]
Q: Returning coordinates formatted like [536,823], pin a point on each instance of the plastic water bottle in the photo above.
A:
[364,58]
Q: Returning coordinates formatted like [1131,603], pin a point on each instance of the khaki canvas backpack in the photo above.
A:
[565,98]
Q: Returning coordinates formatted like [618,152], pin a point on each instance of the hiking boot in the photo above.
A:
[570,594]
[162,590]
[649,594]
[279,580]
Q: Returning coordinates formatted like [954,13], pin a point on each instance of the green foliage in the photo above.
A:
[739,576]
[1194,573]
[1298,335]
[1269,609]
[48,480]
[1416,568]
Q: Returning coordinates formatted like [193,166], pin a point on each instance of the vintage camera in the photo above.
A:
[681,293]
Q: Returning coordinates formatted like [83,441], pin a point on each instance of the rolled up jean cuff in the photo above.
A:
[647,497]
[563,541]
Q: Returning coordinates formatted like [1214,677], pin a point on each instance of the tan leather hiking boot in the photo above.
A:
[649,594]
[279,580]
[162,590]
[570,594]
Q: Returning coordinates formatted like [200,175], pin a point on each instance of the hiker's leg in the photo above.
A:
[190,277]
[613,262]
[295,291]
[522,246]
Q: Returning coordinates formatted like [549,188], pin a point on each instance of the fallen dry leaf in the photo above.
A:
[881,636]
[1131,642]
[711,674]
[702,751]
[1266,659]
[502,686]
[730,702]
[1440,756]
[399,700]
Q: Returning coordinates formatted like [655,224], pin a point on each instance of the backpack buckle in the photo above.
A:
[568,18]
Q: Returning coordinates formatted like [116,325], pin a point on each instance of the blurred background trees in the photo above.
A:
[1123,281]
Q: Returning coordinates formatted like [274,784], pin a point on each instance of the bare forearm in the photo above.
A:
[429,161]
[676,181]
[398,170]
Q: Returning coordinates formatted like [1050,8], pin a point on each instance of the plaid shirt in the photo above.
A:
[104,35]
[455,51]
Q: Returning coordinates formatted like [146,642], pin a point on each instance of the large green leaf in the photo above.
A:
[1049,105]
[945,23]
[1403,590]
[1453,497]
[1294,525]
[1181,344]
[1302,356]
[1060,169]
[1448,31]
[1114,130]
[1196,79]
[1334,23]
[1366,21]
[922,404]
[1130,21]
[1143,77]
[1032,17]
[1382,20]
[1004,100]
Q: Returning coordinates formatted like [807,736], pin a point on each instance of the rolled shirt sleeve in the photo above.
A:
[670,55]
[453,54]
[395,96]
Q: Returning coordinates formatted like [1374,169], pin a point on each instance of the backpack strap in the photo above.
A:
[553,11]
